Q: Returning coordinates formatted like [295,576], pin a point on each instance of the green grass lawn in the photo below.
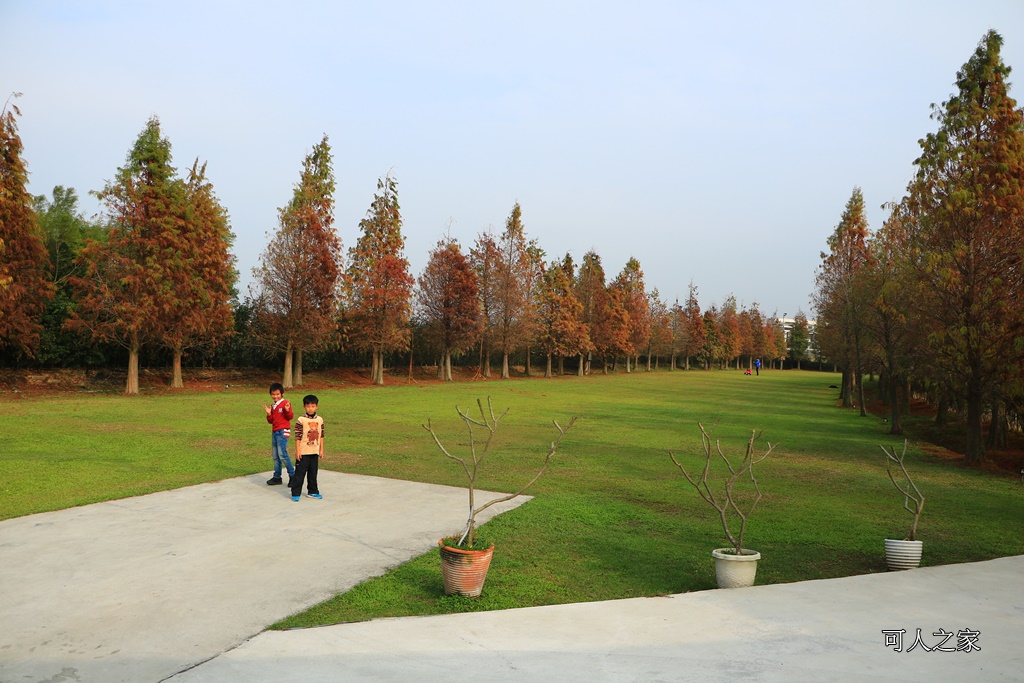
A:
[613,517]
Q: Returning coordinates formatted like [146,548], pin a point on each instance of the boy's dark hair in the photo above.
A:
[310,398]
[276,386]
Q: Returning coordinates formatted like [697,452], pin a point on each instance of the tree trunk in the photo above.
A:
[942,412]
[896,426]
[378,367]
[527,366]
[846,393]
[974,452]
[504,365]
[487,362]
[993,426]
[580,371]
[860,391]
[448,366]
[132,385]
[176,381]
[547,368]
[561,365]
[297,368]
[286,380]
[629,367]
[908,396]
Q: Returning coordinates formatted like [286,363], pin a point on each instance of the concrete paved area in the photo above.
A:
[178,585]
[817,631]
[138,589]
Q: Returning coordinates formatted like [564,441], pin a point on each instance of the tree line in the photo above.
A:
[155,278]
[933,300]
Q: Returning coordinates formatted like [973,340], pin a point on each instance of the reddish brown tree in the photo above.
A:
[534,283]
[127,291]
[710,350]
[592,293]
[759,347]
[203,273]
[513,276]
[660,342]
[448,303]
[619,328]
[381,294]
[966,211]
[631,292]
[749,339]
[839,296]
[693,332]
[484,258]
[300,276]
[730,336]
[24,261]
[563,332]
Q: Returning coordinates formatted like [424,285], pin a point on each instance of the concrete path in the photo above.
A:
[136,590]
[178,586]
[831,630]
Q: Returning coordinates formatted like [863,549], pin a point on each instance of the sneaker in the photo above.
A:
[315,495]
[295,499]
[274,481]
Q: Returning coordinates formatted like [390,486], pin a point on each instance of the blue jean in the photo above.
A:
[279,449]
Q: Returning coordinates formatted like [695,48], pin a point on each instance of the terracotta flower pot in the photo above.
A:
[464,571]
[735,571]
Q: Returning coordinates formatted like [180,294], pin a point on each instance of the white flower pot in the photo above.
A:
[902,554]
[735,571]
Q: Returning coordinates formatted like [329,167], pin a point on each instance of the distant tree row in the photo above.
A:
[155,279]
[935,298]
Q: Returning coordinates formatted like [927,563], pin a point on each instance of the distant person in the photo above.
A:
[757,367]
[279,415]
[746,371]
[309,449]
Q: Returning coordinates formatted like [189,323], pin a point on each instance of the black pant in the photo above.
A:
[308,464]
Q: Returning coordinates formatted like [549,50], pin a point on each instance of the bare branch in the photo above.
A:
[547,460]
[729,504]
[910,491]
[430,428]
[489,421]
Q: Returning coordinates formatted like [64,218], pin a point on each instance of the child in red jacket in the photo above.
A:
[279,415]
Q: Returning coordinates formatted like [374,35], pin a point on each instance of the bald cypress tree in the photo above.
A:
[300,276]
[965,217]
[126,289]
[839,295]
[448,303]
[25,287]
[381,292]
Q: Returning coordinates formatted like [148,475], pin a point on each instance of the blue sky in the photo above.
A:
[715,142]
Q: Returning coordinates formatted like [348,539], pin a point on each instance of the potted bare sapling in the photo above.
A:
[464,563]
[735,567]
[904,553]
